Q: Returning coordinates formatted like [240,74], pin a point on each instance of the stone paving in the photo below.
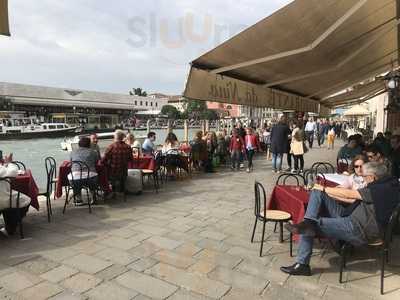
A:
[190,241]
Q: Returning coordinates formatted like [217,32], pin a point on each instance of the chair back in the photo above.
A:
[342,165]
[158,157]
[50,164]
[260,200]
[298,179]
[323,167]
[172,158]
[5,189]
[19,164]
[394,222]
[81,170]
[311,177]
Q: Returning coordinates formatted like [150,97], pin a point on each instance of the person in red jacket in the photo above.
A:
[252,144]
[236,147]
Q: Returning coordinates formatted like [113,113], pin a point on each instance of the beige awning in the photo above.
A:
[310,49]
[4,27]
[359,93]
[356,110]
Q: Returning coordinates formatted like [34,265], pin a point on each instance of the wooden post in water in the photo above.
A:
[186,130]
[169,126]
[148,126]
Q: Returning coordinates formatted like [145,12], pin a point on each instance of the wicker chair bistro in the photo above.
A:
[264,215]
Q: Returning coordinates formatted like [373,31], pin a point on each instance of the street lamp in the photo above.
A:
[393,83]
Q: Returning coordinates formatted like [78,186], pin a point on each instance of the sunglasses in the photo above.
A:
[357,166]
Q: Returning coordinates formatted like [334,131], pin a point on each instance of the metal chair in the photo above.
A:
[264,215]
[19,164]
[17,208]
[50,165]
[323,167]
[54,180]
[299,179]
[342,165]
[82,179]
[383,245]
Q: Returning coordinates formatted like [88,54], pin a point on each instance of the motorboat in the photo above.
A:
[28,129]
[69,144]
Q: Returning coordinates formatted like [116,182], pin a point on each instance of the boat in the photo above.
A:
[69,144]
[27,128]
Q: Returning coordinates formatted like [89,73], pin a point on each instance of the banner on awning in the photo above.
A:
[4,27]
[203,85]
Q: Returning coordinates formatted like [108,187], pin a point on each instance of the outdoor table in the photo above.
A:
[333,179]
[291,199]
[25,184]
[145,162]
[65,169]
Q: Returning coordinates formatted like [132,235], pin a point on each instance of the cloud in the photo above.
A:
[114,46]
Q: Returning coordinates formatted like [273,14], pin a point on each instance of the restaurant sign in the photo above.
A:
[202,85]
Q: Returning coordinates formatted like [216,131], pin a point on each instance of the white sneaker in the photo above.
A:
[248,170]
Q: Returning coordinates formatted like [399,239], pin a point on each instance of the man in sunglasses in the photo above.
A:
[358,224]
[375,154]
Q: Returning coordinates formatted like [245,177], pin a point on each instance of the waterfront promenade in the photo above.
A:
[190,241]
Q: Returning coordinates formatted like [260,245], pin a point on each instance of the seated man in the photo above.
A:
[148,144]
[350,150]
[90,157]
[357,224]
[375,154]
[116,157]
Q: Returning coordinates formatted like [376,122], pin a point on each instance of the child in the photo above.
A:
[236,147]
[297,149]
[252,143]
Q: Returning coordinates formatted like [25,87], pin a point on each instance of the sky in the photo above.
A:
[114,46]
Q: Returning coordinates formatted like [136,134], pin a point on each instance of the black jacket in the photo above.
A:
[279,138]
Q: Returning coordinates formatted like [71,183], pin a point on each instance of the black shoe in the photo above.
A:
[307,228]
[297,269]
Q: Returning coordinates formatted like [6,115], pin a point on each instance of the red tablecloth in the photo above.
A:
[143,163]
[26,185]
[65,169]
[291,199]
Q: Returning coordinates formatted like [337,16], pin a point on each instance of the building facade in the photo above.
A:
[75,107]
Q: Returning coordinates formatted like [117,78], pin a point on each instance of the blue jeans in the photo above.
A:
[277,161]
[333,227]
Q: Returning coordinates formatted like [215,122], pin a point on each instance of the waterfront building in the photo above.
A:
[73,106]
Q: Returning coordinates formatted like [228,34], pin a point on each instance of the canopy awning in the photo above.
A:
[309,49]
[356,110]
[4,27]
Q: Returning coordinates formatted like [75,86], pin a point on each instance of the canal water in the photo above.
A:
[33,152]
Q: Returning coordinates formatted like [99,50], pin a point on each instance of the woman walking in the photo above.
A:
[297,149]
[252,144]
[236,148]
[331,137]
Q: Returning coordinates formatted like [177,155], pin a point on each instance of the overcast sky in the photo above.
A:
[112,46]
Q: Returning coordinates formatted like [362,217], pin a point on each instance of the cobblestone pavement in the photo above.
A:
[190,241]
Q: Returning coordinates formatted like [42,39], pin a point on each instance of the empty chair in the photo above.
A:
[264,215]
[50,165]
[289,179]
